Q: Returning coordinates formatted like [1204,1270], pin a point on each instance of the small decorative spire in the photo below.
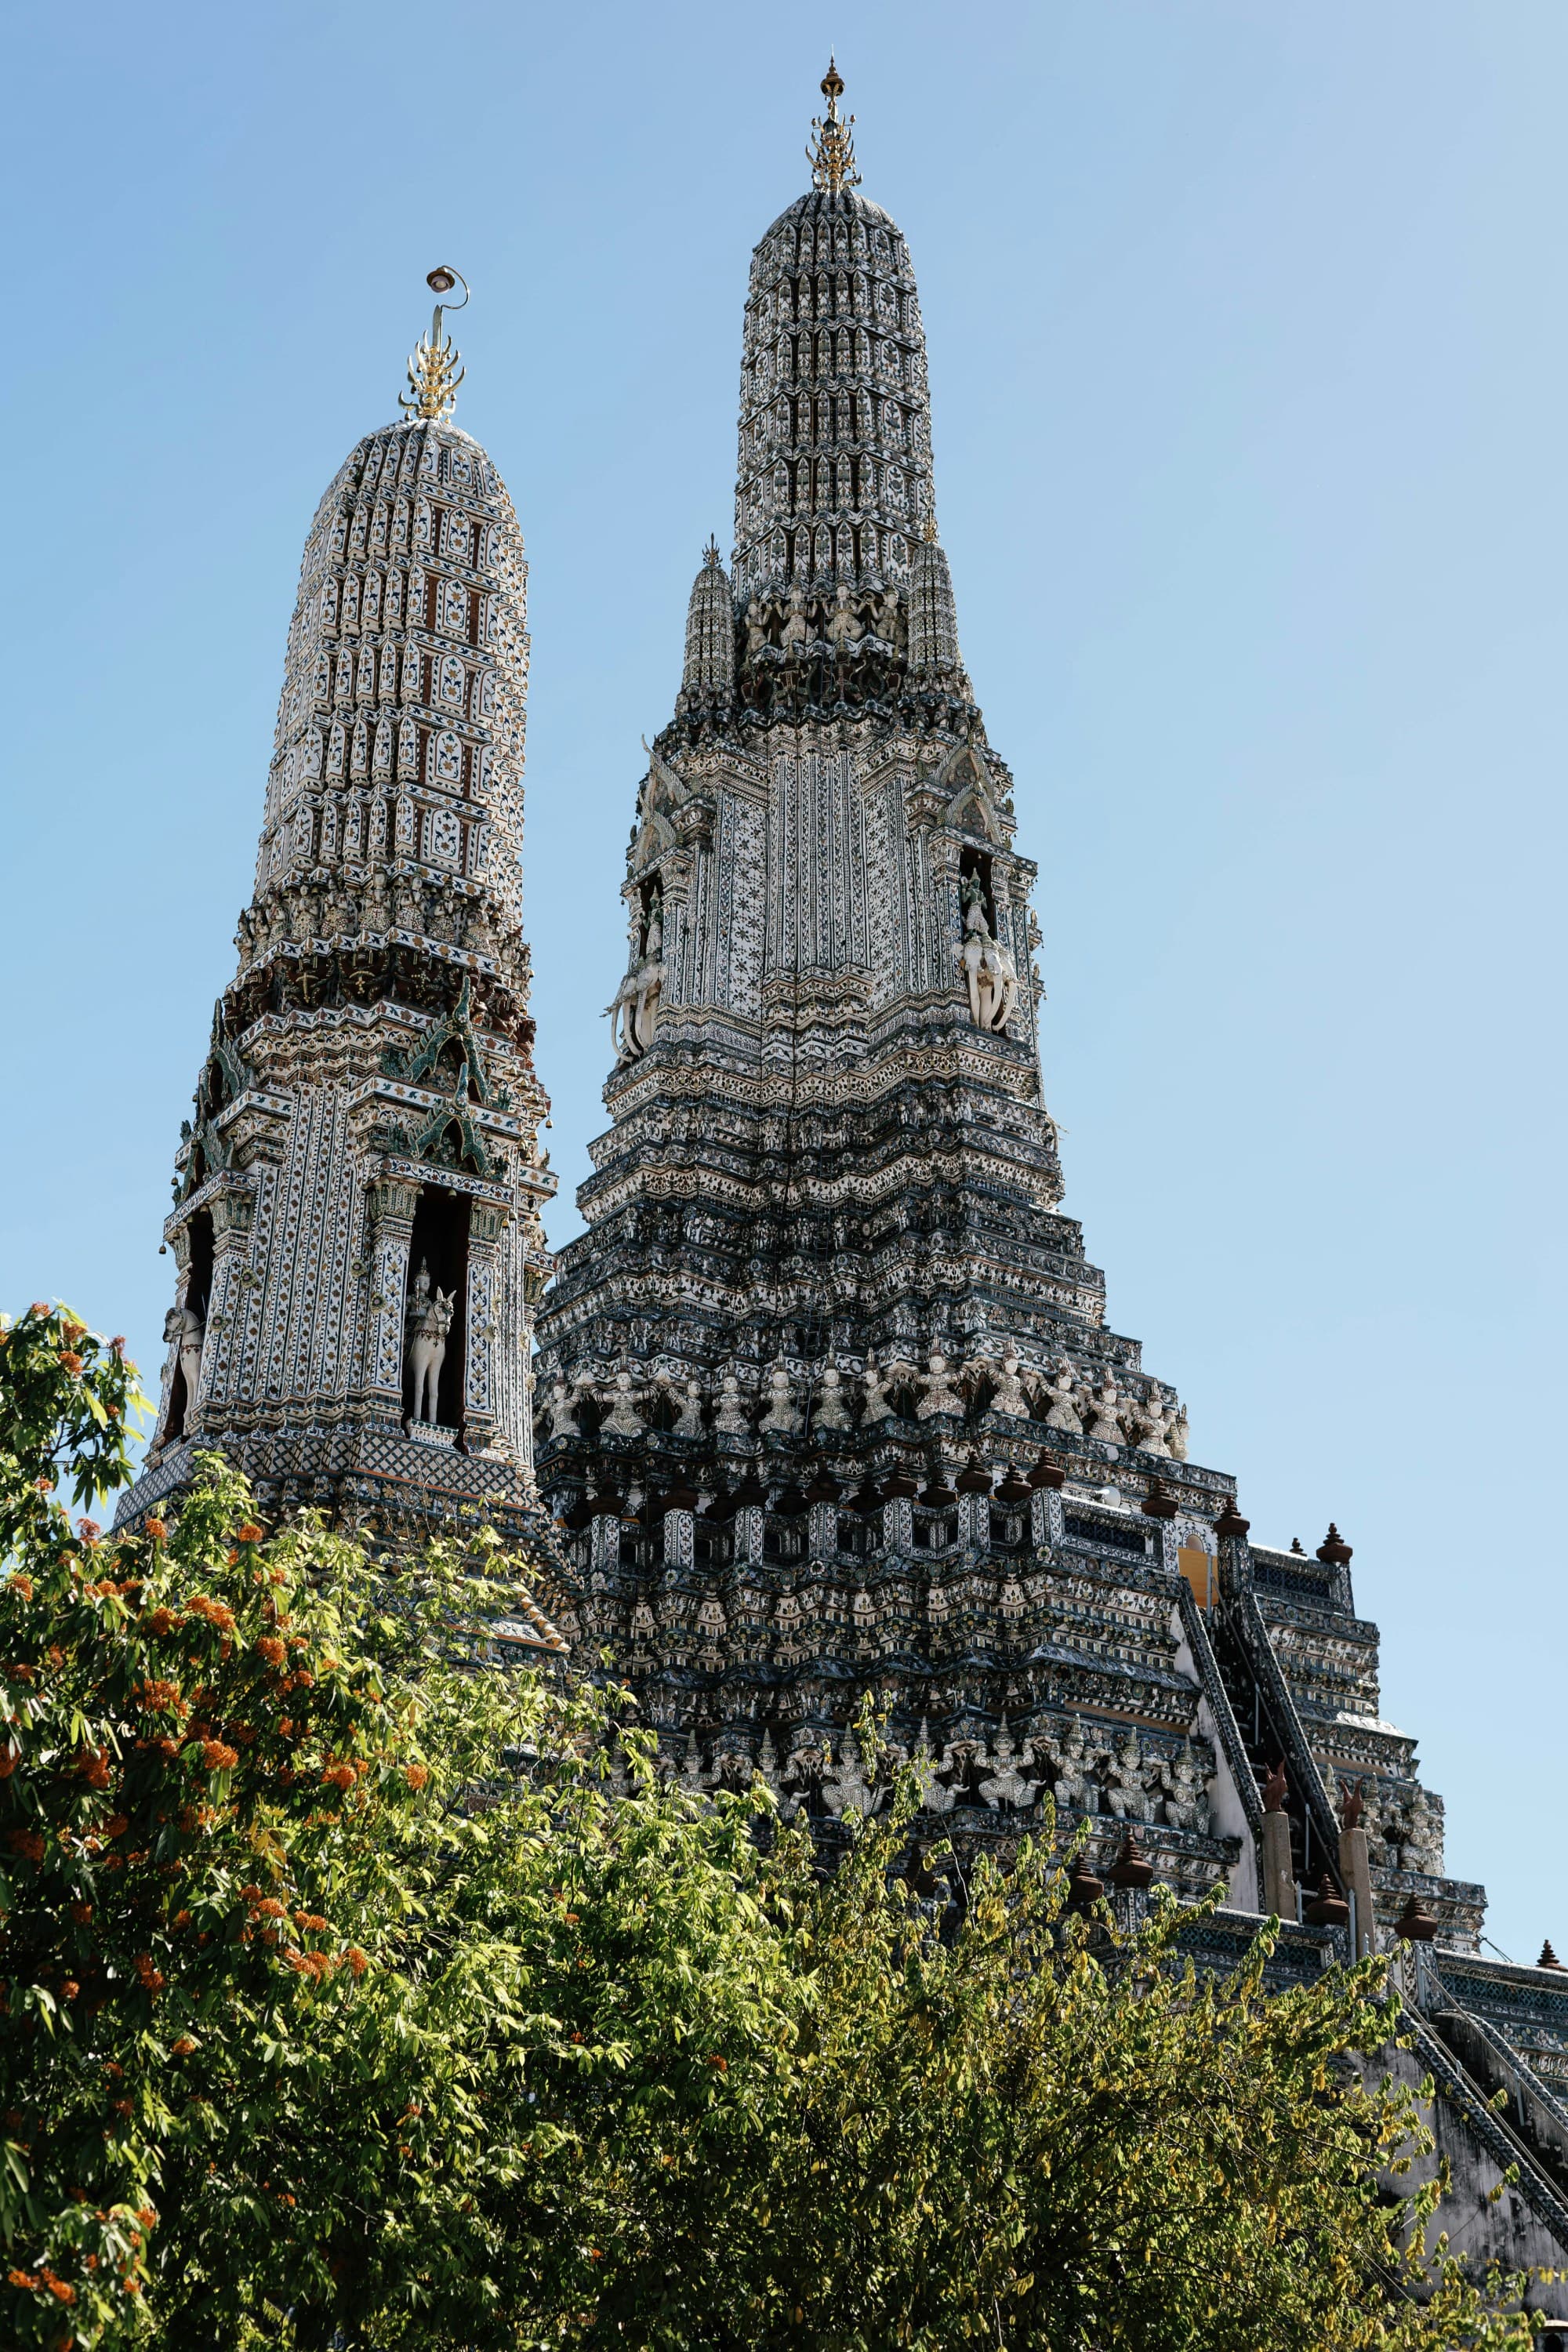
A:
[928,531]
[711,553]
[431,377]
[832,153]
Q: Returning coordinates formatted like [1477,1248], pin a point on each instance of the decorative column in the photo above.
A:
[605,1554]
[1355,1877]
[391,1203]
[179,1240]
[1279,1870]
[749,1534]
[232,1205]
[480,1330]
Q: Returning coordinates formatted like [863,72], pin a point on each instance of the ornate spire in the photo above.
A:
[710,667]
[832,152]
[933,616]
[431,379]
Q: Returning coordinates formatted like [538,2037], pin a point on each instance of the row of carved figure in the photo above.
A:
[990,975]
[1082,1767]
[1077,1403]
[791,628]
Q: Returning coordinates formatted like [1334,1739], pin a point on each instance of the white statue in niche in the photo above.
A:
[832,1406]
[936,1391]
[1105,1425]
[634,1012]
[622,1419]
[729,1415]
[780,1414]
[688,1421]
[430,1314]
[1187,1803]
[1008,1396]
[843,628]
[1010,1783]
[184,1325]
[563,1408]
[1063,1390]
[1151,1422]
[989,970]
[1176,1436]
[793,633]
[879,1403]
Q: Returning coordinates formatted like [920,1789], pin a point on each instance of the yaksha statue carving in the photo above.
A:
[635,1009]
[430,1315]
[988,968]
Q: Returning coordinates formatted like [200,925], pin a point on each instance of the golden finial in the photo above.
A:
[711,553]
[832,154]
[430,369]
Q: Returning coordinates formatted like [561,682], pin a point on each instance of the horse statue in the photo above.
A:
[989,970]
[430,1314]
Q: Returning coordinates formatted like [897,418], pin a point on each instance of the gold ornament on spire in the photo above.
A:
[832,153]
[434,373]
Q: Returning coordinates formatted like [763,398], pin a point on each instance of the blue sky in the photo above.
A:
[1248,367]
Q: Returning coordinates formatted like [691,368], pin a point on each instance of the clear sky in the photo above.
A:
[1249,372]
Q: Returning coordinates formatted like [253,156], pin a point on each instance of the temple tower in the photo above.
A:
[355,1229]
[829,1402]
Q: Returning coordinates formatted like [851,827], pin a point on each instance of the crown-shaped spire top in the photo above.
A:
[832,152]
[434,370]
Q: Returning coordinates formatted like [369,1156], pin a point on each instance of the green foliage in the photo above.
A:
[354,1995]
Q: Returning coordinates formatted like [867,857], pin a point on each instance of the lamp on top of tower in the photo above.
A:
[431,377]
[832,152]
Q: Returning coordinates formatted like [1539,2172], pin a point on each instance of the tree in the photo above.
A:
[362,1991]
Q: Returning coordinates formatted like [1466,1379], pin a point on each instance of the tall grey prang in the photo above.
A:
[355,1232]
[829,1404]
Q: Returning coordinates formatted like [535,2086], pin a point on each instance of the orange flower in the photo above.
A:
[250,1533]
[310,1922]
[722,2064]
[24,2279]
[267,1906]
[217,1757]
[270,1648]
[161,1621]
[81,1913]
[417,1775]
[150,1976]
[116,1825]
[94,1769]
[339,1775]
[181,2049]
[8,1762]
[69,1988]
[72,1362]
[182,1918]
[157,1530]
[22,1586]
[356,1959]
[27,1842]
[159,1696]
[90,1533]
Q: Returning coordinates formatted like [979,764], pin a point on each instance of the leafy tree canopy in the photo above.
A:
[362,1991]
